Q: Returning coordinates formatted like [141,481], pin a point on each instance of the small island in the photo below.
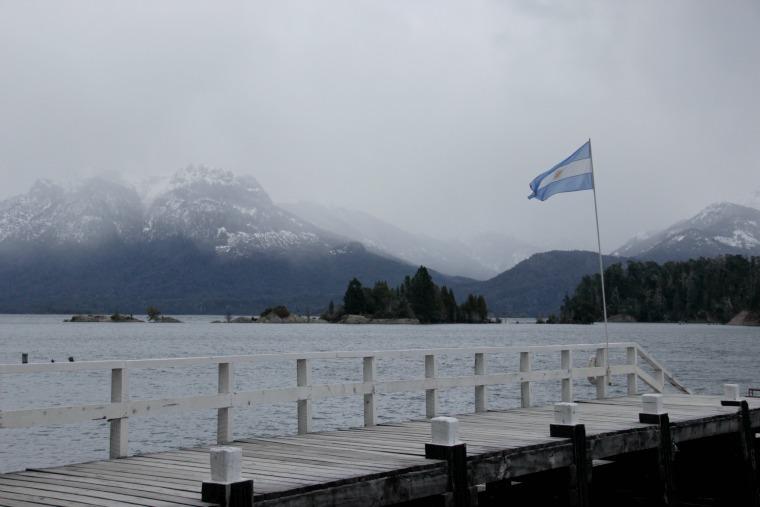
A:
[116,317]
[273,315]
[154,315]
[418,300]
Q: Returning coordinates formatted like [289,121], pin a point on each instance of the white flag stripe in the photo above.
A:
[574,168]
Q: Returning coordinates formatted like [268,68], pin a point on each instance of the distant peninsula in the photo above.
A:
[720,290]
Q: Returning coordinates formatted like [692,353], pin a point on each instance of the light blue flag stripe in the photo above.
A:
[572,174]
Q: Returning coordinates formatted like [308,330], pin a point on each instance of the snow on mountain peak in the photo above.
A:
[213,207]
[91,210]
[720,228]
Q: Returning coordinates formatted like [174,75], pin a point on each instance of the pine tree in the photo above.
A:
[354,300]
[422,296]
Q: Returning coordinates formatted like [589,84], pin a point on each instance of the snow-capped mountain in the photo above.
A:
[213,208]
[91,211]
[231,213]
[481,257]
[722,228]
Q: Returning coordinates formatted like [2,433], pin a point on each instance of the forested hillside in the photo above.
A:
[702,290]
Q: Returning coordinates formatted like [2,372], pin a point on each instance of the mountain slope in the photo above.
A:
[720,229]
[537,285]
[178,276]
[208,242]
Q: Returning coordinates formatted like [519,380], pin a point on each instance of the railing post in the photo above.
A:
[659,375]
[224,415]
[119,440]
[632,358]
[526,389]
[566,363]
[601,381]
[431,395]
[481,405]
[303,379]
[370,370]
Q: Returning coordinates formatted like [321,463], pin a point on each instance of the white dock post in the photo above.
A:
[652,404]
[444,431]
[226,486]
[632,359]
[601,381]
[445,445]
[526,388]
[565,413]
[431,395]
[566,363]
[370,371]
[303,379]
[481,404]
[731,392]
[119,439]
[224,415]
[566,425]
[653,412]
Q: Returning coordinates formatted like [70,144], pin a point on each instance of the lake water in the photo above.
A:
[701,356]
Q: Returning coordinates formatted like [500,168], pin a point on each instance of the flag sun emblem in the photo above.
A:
[558,174]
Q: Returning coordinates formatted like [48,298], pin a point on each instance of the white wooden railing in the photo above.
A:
[121,407]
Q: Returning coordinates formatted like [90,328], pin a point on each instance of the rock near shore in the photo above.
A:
[745,318]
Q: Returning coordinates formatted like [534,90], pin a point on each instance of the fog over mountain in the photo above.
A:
[479,256]
[431,116]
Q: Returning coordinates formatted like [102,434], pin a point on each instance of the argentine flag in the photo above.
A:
[572,174]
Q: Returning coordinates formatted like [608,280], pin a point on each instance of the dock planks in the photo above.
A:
[375,465]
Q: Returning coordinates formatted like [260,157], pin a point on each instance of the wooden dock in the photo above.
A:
[386,464]
[378,465]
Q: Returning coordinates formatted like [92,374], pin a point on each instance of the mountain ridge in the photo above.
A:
[719,229]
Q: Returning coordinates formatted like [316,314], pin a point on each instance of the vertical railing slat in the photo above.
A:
[481,405]
[526,388]
[431,395]
[566,363]
[601,381]
[303,379]
[631,359]
[224,414]
[119,437]
[369,374]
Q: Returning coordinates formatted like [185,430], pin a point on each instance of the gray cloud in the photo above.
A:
[434,115]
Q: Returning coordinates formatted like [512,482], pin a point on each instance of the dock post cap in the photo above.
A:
[444,430]
[225,463]
[226,488]
[565,413]
[652,404]
[731,392]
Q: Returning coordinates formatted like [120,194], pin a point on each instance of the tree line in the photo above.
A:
[417,297]
[703,290]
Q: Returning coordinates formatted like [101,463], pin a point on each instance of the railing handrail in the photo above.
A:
[107,364]
[121,407]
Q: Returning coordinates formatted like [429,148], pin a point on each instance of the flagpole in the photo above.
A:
[601,269]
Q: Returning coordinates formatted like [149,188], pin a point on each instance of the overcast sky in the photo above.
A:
[433,115]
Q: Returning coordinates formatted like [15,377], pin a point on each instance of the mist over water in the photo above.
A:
[701,356]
